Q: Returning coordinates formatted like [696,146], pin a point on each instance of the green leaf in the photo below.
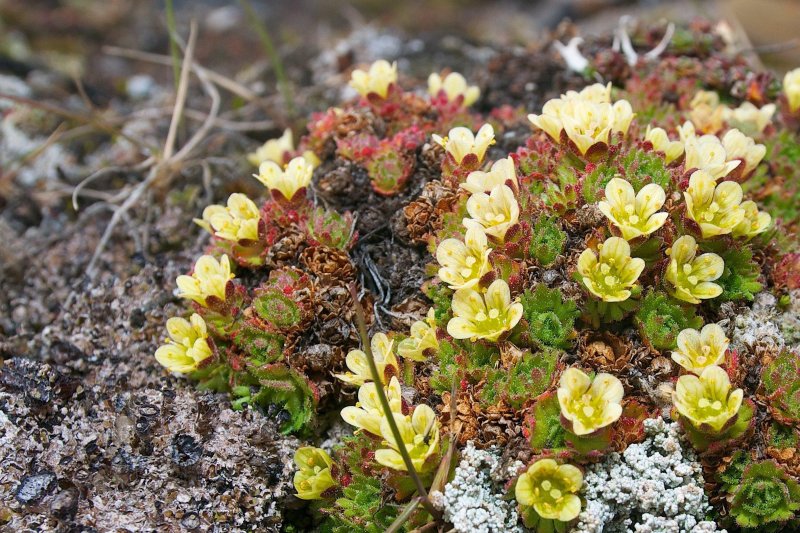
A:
[547,241]
[660,318]
[551,319]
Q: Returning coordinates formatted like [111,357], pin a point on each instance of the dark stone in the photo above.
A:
[137,318]
[34,487]
[65,503]
[41,385]
[186,450]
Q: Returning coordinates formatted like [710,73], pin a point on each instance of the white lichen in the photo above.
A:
[653,487]
[757,325]
[471,501]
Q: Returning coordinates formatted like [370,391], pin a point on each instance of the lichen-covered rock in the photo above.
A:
[471,501]
[653,487]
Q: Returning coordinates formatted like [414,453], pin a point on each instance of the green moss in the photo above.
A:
[635,165]
[277,309]
[551,319]
[547,241]
[660,318]
[766,496]
[739,280]
[732,475]
[781,381]
[528,378]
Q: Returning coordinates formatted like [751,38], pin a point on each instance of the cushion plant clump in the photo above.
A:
[583,283]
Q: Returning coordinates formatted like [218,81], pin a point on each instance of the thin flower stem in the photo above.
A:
[403,517]
[274,57]
[173,45]
[387,410]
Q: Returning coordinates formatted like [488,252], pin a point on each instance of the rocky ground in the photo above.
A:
[95,436]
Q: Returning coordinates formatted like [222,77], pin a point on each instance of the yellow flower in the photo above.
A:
[376,80]
[485,316]
[791,88]
[502,171]
[610,276]
[692,277]
[187,345]
[661,143]
[687,131]
[753,223]
[751,118]
[464,263]
[739,146]
[209,278]
[382,352]
[454,85]
[423,337]
[235,222]
[716,208]
[587,117]
[706,112]
[296,176]
[634,214]
[420,435]
[368,413]
[707,153]
[496,212]
[461,141]
[551,489]
[273,150]
[589,404]
[707,401]
[313,476]
[700,349]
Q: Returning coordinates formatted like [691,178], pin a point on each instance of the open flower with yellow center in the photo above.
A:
[423,338]
[377,80]
[296,176]
[634,214]
[368,412]
[486,316]
[551,489]
[464,263]
[611,274]
[453,85]
[692,277]
[700,349]
[791,88]
[662,143]
[739,146]
[716,208]
[357,362]
[706,112]
[313,476]
[589,404]
[420,435]
[460,142]
[209,278]
[707,401]
[751,118]
[235,222]
[187,345]
[501,172]
[496,212]
[753,223]
[707,153]
[587,117]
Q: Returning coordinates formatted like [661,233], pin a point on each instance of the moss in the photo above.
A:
[637,166]
[551,319]
[547,241]
[732,475]
[526,379]
[781,381]
[739,280]
[766,496]
[660,318]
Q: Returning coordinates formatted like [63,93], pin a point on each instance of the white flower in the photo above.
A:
[461,141]
[376,80]
[453,85]
[707,153]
